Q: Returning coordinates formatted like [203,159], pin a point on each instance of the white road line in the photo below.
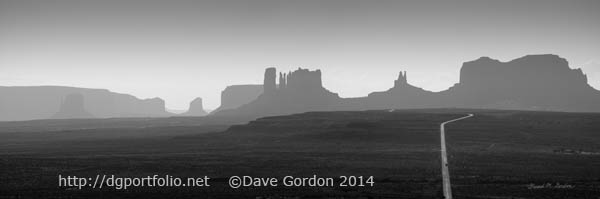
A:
[445,172]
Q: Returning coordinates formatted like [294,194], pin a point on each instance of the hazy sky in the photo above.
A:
[178,50]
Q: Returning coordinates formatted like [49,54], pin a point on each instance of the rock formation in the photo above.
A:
[298,91]
[592,71]
[402,95]
[42,102]
[282,81]
[237,95]
[303,79]
[72,107]
[269,85]
[402,80]
[196,108]
[533,82]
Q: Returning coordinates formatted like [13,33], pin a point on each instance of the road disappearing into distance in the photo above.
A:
[445,172]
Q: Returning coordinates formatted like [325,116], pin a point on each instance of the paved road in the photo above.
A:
[445,172]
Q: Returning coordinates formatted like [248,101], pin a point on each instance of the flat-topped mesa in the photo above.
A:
[525,73]
[532,82]
[401,79]
[43,102]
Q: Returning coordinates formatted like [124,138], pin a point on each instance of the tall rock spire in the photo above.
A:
[269,84]
[402,80]
[282,80]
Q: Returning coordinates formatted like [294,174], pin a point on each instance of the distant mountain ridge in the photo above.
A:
[44,102]
[533,82]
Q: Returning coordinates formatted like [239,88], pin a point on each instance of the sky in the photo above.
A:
[182,49]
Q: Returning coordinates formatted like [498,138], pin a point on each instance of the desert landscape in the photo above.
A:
[289,99]
[495,154]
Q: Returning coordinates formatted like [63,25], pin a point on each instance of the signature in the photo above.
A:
[550,186]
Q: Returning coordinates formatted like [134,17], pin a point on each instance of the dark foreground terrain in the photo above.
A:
[496,154]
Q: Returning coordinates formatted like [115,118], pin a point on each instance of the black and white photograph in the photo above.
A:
[300,99]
